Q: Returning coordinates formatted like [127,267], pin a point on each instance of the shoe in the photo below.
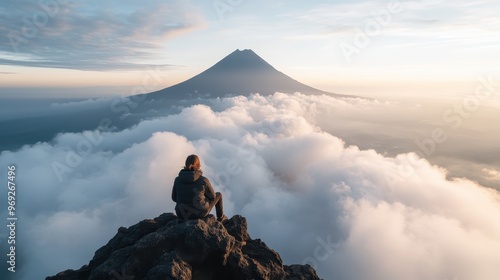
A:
[222,219]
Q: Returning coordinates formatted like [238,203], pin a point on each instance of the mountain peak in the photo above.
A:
[242,72]
[242,60]
[244,51]
[168,248]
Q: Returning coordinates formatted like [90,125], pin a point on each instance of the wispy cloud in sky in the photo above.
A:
[429,18]
[425,29]
[92,35]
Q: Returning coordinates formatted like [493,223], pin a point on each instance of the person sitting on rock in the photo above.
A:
[194,194]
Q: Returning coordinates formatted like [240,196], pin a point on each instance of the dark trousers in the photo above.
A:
[219,207]
[187,212]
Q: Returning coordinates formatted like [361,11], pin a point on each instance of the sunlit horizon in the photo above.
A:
[338,47]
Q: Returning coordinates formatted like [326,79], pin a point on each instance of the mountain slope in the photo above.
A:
[240,73]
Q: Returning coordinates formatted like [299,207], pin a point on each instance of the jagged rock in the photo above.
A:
[300,272]
[168,248]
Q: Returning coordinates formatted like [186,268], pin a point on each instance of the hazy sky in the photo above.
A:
[340,46]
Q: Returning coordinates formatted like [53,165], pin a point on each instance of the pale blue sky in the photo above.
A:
[340,46]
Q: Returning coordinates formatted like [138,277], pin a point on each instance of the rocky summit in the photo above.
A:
[168,248]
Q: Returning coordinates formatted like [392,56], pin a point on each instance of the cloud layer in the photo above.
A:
[353,214]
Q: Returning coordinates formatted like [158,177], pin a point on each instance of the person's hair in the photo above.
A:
[192,163]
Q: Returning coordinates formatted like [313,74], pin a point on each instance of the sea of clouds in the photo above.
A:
[351,213]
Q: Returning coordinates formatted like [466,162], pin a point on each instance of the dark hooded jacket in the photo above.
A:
[193,194]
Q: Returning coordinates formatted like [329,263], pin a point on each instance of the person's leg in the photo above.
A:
[219,207]
[186,212]
[217,202]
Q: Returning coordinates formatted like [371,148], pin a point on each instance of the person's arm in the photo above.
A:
[174,191]
[209,191]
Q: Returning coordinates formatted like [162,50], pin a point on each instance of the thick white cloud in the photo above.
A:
[353,214]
